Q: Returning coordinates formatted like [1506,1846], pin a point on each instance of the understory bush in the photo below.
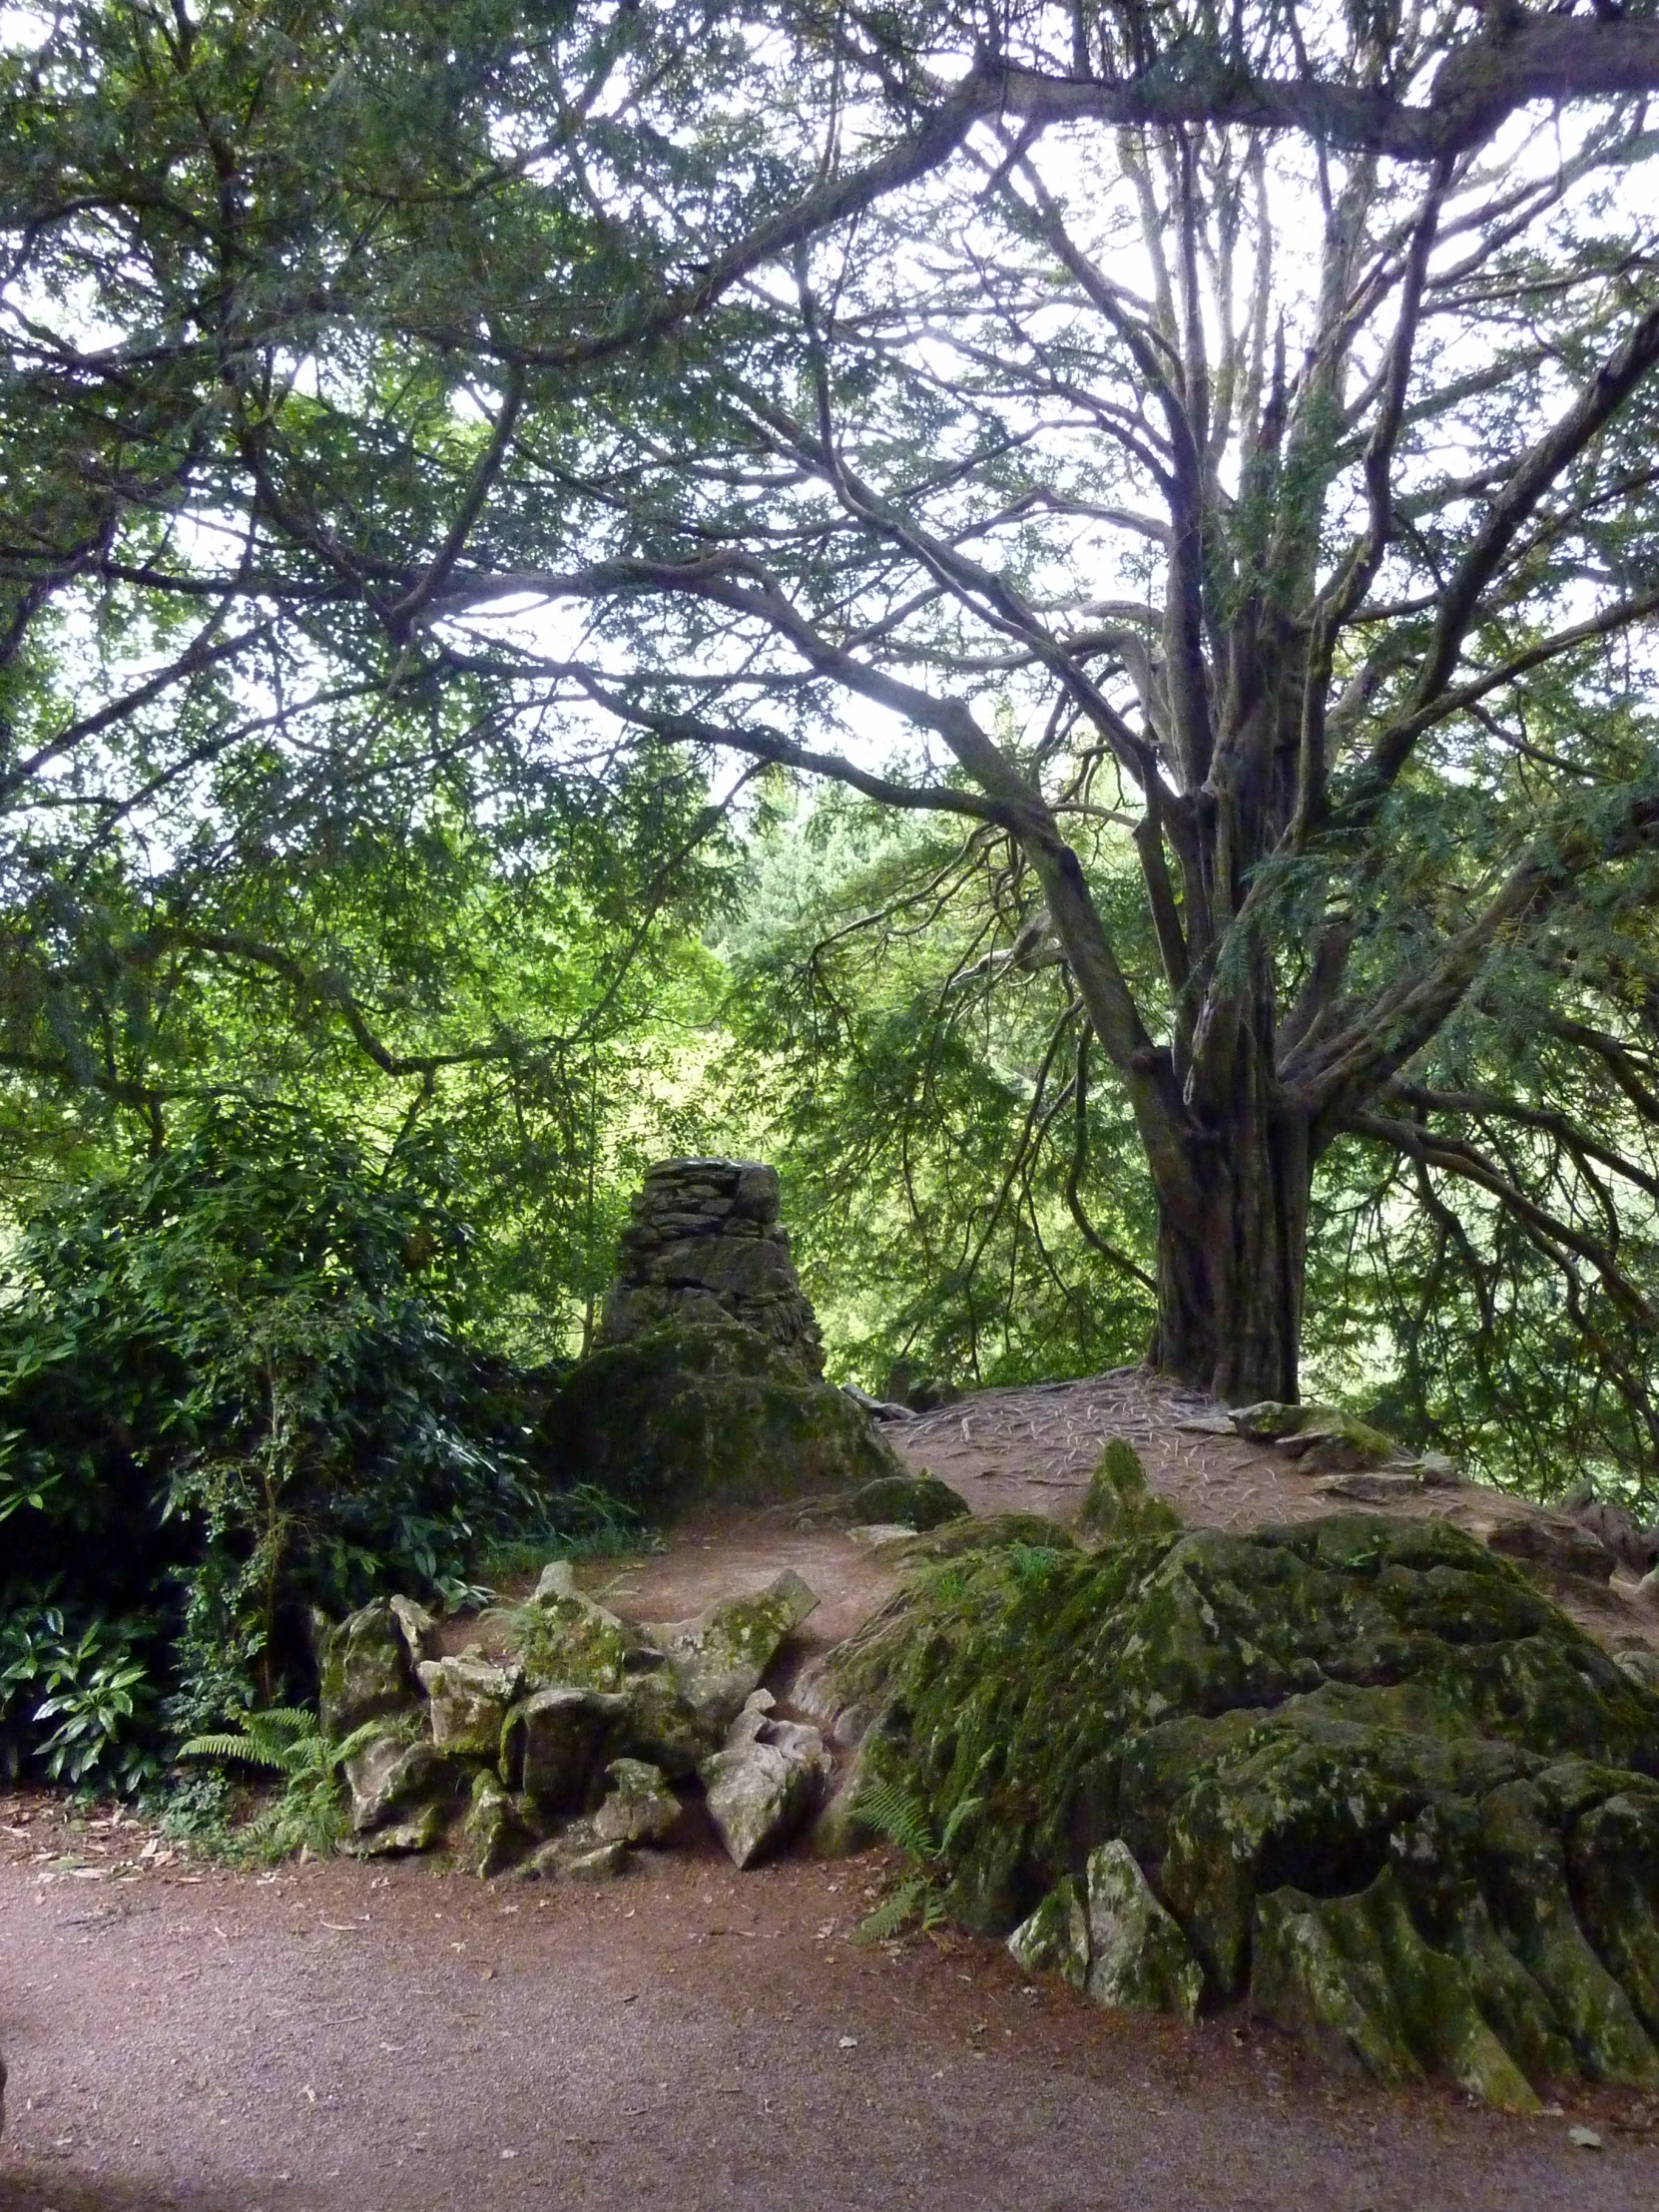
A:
[235,1385]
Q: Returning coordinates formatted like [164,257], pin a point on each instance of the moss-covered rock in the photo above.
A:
[363,1670]
[1139,1960]
[1355,1979]
[918,1502]
[1055,1938]
[1300,1710]
[718,1659]
[691,1411]
[1323,1437]
[1119,1504]
[395,1773]
[467,1697]
[563,1639]
[555,1744]
[494,1834]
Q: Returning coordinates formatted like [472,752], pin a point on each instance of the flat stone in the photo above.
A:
[880,1535]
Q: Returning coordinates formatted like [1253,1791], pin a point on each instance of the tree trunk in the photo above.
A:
[1231,1271]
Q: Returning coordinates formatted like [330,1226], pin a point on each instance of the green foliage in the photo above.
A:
[966,1198]
[233,1388]
[309,1811]
[83,1696]
[900,1819]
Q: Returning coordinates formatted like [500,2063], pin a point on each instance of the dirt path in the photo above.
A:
[409,2039]
[413,2041]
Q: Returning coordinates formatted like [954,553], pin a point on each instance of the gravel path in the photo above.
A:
[332,2038]
[414,2042]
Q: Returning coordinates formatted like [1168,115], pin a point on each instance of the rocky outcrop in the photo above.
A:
[1374,1777]
[704,1244]
[560,1758]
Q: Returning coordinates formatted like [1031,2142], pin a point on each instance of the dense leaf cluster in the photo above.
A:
[232,1389]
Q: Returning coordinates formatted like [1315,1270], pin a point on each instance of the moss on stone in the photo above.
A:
[1301,1709]
[1119,1504]
[690,1411]
[918,1501]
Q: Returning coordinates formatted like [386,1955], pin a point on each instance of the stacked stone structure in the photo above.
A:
[704,1244]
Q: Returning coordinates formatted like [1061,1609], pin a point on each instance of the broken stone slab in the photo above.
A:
[592,1862]
[1617,1528]
[467,1700]
[719,1658]
[564,1639]
[422,1638]
[661,1726]
[638,1807]
[390,1775]
[554,1742]
[363,1670]
[1055,1937]
[1377,1485]
[1139,1960]
[761,1787]
[1323,1436]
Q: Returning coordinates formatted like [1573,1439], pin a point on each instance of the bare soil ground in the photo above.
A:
[330,2038]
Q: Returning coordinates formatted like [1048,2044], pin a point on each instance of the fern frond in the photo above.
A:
[897,1818]
[894,1913]
[247,1749]
[283,1720]
[359,1740]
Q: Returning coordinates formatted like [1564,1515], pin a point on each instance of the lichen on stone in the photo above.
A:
[1293,1715]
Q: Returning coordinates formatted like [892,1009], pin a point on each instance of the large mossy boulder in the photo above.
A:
[1370,1772]
[698,1411]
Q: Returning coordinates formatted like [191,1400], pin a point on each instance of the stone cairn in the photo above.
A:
[704,1244]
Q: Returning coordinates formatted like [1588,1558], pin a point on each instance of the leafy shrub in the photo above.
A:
[81,1694]
[233,1386]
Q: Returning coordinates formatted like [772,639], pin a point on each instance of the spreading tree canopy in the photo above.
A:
[1221,444]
